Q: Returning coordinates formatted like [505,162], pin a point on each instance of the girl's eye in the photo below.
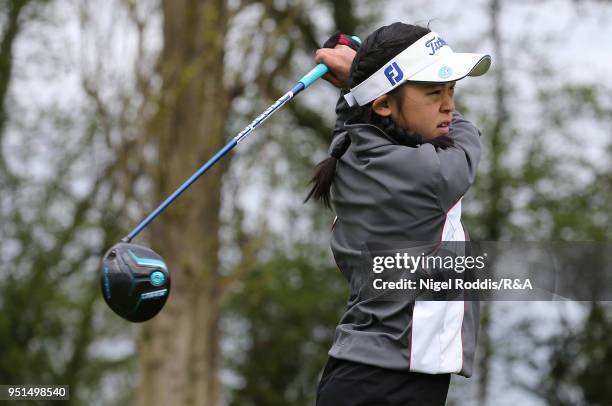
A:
[439,91]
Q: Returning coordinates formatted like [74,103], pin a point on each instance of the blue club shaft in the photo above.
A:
[302,84]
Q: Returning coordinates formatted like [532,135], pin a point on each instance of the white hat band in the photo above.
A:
[419,62]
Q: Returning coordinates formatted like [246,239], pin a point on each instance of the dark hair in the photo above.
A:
[377,49]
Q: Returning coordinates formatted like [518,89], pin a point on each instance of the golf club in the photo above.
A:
[135,280]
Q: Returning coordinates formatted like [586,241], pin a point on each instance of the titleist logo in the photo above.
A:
[434,44]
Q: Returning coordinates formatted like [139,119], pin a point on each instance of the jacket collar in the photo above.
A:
[366,136]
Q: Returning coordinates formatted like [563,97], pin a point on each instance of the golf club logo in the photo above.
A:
[434,44]
[394,73]
[445,72]
[106,284]
[157,278]
[153,295]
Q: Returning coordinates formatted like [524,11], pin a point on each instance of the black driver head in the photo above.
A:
[135,281]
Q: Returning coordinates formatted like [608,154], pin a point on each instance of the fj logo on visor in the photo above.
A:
[394,73]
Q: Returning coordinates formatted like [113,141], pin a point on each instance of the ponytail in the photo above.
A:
[325,171]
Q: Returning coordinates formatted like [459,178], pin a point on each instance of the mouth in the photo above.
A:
[444,124]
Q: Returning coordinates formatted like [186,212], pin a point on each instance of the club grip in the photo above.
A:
[318,71]
[315,74]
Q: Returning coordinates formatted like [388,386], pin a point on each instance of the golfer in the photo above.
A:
[401,160]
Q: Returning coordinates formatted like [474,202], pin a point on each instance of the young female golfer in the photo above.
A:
[401,160]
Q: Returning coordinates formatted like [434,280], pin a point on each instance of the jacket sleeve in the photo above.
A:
[343,112]
[457,164]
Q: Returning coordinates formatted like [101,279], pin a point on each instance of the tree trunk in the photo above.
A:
[9,35]
[178,349]
[496,212]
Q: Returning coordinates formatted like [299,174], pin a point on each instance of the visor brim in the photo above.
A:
[454,67]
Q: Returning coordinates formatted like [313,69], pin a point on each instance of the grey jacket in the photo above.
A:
[387,192]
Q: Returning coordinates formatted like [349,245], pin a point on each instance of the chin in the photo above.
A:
[430,136]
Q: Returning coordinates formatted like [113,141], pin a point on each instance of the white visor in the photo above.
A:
[430,59]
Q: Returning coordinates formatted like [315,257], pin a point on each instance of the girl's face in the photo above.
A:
[425,108]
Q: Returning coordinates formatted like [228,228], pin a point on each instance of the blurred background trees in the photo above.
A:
[106,107]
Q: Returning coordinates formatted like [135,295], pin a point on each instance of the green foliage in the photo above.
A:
[54,328]
[289,306]
[575,370]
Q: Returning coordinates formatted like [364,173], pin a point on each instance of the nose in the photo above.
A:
[448,101]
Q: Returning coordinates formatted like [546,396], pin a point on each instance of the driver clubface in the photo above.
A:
[135,281]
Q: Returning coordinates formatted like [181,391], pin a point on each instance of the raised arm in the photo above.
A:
[458,164]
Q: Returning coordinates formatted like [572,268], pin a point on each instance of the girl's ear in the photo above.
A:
[381,106]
